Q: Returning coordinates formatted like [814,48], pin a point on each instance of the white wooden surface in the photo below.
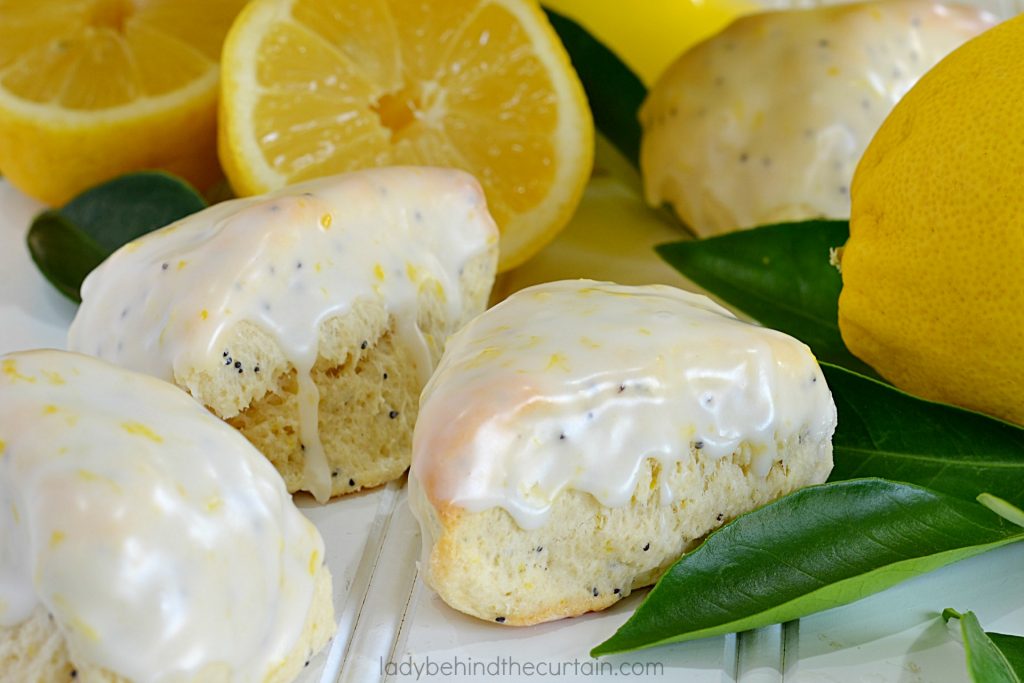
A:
[386,615]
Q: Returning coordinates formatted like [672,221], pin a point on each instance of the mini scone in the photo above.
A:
[309,318]
[142,540]
[580,436]
[766,121]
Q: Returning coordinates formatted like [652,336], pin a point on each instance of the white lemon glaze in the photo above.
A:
[286,261]
[159,539]
[573,384]
[766,121]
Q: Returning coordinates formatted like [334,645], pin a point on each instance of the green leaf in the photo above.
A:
[991,657]
[63,253]
[779,275]
[885,432]
[67,243]
[129,206]
[815,549]
[1012,648]
[614,91]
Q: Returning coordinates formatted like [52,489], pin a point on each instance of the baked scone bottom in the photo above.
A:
[588,556]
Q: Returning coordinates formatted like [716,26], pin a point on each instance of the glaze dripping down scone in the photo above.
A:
[142,540]
[309,318]
[580,436]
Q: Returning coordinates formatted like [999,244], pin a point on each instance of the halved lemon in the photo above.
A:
[316,87]
[90,89]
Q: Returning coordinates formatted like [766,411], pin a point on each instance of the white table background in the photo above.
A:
[385,613]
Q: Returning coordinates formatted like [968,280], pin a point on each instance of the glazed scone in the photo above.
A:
[580,436]
[309,318]
[766,121]
[142,540]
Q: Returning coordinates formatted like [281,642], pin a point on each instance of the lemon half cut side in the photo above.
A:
[317,87]
[90,89]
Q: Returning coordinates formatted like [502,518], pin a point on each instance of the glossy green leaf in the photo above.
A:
[779,275]
[67,243]
[614,91]
[991,657]
[815,549]
[63,253]
[885,432]
[1012,648]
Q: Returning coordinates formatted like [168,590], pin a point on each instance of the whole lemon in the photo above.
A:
[648,34]
[933,272]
